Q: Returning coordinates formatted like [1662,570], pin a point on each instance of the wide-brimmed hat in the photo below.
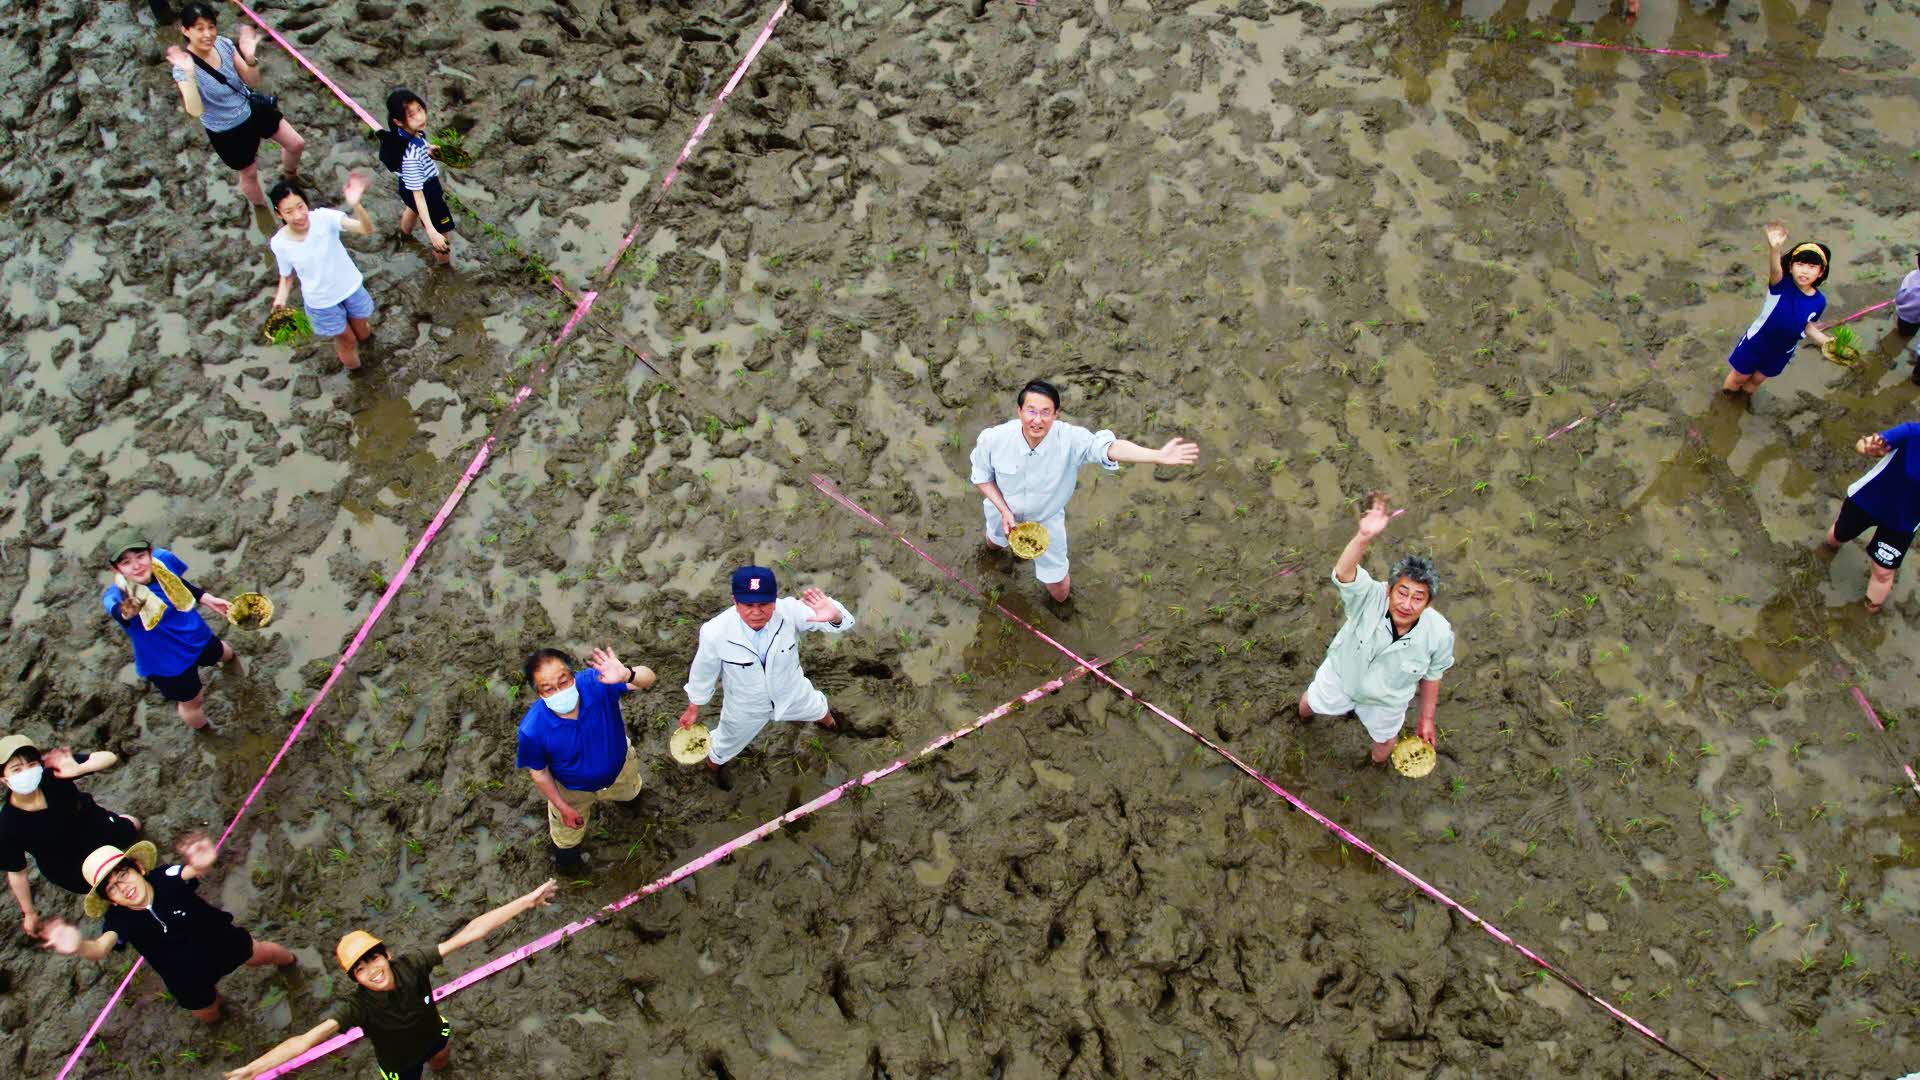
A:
[102,862]
[354,948]
[13,744]
[125,539]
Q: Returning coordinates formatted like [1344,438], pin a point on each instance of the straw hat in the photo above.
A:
[354,948]
[689,744]
[102,862]
[1413,756]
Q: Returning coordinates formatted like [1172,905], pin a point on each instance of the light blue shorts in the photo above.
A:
[332,321]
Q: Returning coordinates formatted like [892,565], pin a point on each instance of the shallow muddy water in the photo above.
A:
[1343,246]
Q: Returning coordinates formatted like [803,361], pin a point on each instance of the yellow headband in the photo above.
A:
[1808,246]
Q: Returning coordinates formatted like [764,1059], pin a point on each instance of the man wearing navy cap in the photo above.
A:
[752,652]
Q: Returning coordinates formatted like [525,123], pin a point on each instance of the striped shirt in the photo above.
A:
[224,107]
[417,165]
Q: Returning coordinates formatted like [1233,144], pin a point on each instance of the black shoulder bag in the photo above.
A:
[262,106]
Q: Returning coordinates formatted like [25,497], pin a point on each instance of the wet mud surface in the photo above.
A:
[1347,246]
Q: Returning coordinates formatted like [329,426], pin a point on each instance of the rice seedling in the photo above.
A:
[287,326]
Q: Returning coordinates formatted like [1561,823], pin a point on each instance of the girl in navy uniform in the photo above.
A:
[1793,302]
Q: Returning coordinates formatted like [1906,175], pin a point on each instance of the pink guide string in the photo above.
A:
[827,488]
[827,798]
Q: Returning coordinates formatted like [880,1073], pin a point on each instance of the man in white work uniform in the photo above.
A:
[1028,467]
[1392,647]
[752,652]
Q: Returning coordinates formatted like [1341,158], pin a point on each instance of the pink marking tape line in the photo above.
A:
[1685,54]
[1870,309]
[699,131]
[688,869]
[380,606]
[308,64]
[827,488]
[1874,718]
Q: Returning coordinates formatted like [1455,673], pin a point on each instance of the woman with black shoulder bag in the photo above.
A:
[217,80]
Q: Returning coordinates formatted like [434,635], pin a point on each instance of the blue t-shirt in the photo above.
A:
[176,641]
[585,753]
[1775,333]
[1890,491]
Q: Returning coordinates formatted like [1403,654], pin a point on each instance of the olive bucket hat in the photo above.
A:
[125,539]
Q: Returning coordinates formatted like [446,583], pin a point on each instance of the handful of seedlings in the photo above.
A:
[1844,349]
[1028,539]
[250,611]
[287,326]
[448,151]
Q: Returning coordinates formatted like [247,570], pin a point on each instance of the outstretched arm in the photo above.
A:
[1176,452]
[286,1051]
[199,854]
[1776,234]
[178,59]
[60,762]
[65,938]
[1372,523]
[498,917]
[361,224]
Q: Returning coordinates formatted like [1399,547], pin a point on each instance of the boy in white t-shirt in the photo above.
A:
[308,247]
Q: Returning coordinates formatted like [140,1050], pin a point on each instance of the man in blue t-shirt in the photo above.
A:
[573,741]
[1887,498]
[1794,301]
[158,608]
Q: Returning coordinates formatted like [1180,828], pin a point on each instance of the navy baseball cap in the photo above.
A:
[755,585]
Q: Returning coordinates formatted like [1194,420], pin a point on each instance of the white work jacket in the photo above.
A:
[756,692]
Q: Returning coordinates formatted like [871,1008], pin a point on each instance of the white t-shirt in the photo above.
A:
[326,272]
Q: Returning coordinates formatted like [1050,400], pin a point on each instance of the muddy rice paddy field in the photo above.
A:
[1345,246]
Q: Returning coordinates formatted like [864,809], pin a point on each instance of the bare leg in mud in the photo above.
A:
[347,344]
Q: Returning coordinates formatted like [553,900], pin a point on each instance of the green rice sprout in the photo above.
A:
[287,326]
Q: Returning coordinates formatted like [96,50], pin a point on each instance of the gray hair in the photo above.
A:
[1418,569]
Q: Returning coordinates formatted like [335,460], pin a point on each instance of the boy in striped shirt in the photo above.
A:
[406,153]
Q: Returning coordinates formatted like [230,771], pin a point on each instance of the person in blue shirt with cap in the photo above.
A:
[1027,468]
[1887,498]
[752,652]
[156,605]
[573,741]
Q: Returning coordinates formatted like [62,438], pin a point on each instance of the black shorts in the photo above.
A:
[1906,328]
[200,987]
[415,1071]
[1886,548]
[239,147]
[437,211]
[186,685]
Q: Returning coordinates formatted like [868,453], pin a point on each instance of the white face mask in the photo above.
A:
[563,701]
[26,781]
